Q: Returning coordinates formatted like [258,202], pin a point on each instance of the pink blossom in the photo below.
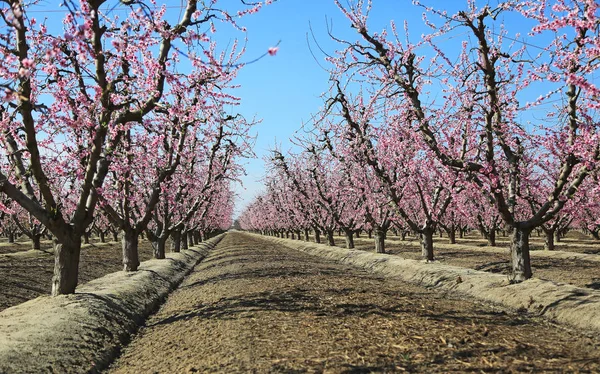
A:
[273,51]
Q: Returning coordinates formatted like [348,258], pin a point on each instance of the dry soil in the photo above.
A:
[579,273]
[27,275]
[253,306]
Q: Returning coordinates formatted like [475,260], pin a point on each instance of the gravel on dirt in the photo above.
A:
[254,305]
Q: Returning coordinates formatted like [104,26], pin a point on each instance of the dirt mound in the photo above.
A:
[579,307]
[84,331]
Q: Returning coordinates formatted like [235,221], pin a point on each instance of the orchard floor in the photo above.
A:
[573,271]
[25,275]
[253,306]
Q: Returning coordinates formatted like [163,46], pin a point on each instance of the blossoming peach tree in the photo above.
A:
[471,107]
[75,99]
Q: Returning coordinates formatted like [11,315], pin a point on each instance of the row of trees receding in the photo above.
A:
[470,126]
[117,120]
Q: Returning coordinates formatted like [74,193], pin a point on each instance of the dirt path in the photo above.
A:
[251,306]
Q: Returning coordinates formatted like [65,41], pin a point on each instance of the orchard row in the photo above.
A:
[479,124]
[116,120]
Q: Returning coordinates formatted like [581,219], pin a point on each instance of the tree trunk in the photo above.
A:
[86,238]
[549,242]
[131,259]
[197,237]
[66,267]
[317,236]
[370,234]
[349,236]
[102,237]
[427,244]
[461,233]
[176,241]
[158,246]
[557,236]
[491,238]
[595,234]
[298,235]
[183,240]
[357,234]
[451,234]
[403,235]
[190,237]
[35,241]
[483,231]
[379,241]
[306,235]
[11,237]
[330,240]
[115,236]
[519,250]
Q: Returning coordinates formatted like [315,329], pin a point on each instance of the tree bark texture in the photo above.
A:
[491,238]
[66,267]
[549,239]
[519,251]
[427,244]
[176,241]
[330,240]
[36,241]
[158,246]
[130,243]
[349,236]
[380,241]
[183,240]
[190,236]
